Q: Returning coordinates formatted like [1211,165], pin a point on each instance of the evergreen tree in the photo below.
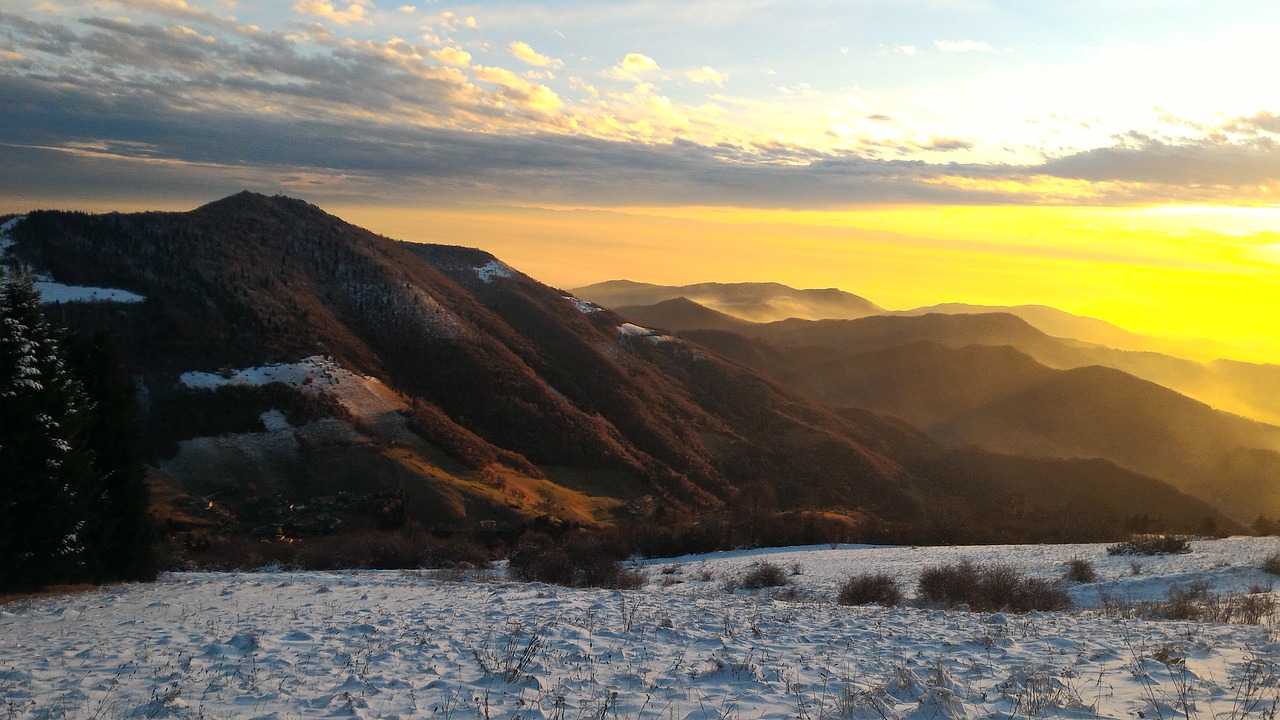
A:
[46,476]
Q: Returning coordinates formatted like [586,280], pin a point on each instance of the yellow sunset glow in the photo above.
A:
[1173,272]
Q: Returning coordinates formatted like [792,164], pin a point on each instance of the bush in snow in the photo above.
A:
[760,575]
[877,588]
[1152,545]
[989,588]
[1195,602]
[1271,563]
[1081,571]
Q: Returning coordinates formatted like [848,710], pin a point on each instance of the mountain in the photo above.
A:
[1000,399]
[1060,324]
[882,332]
[754,302]
[1052,337]
[299,374]
[1248,389]
[1101,412]
[923,383]
[682,313]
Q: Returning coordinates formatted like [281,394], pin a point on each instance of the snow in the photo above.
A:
[404,645]
[494,269]
[365,397]
[274,420]
[584,307]
[631,330]
[51,292]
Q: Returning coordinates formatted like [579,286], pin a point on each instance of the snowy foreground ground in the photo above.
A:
[405,645]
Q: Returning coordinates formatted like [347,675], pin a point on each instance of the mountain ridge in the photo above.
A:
[548,407]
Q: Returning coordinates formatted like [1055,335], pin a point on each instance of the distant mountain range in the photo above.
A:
[436,385]
[755,302]
[1059,324]
[992,380]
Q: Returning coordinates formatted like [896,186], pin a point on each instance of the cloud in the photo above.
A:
[452,22]
[355,12]
[523,52]
[908,50]
[451,56]
[944,144]
[1261,122]
[962,46]
[180,10]
[1210,161]
[706,74]
[100,96]
[66,138]
[633,65]
[519,91]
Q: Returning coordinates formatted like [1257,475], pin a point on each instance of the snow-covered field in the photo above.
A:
[408,645]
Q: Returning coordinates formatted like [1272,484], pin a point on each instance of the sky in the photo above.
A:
[1114,159]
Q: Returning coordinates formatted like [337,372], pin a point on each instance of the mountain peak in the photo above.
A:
[247,201]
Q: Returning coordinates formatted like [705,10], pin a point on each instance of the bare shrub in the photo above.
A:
[949,584]
[455,553]
[763,574]
[1081,571]
[1152,545]
[511,657]
[1271,563]
[989,588]
[1194,602]
[878,588]
[1186,602]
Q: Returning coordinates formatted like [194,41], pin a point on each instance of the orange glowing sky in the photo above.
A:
[1119,160]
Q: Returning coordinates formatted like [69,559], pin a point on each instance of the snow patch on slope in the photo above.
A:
[584,307]
[362,396]
[631,330]
[51,292]
[494,269]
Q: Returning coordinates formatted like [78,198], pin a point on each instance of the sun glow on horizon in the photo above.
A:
[1191,273]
